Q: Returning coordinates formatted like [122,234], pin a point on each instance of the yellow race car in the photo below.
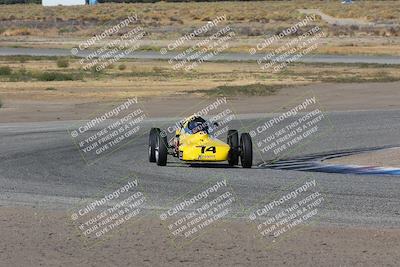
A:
[193,142]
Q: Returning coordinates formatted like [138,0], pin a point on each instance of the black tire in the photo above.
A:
[152,144]
[233,142]
[161,148]
[246,150]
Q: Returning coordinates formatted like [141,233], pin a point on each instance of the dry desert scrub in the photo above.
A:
[164,19]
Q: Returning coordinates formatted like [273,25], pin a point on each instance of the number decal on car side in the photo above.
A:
[204,149]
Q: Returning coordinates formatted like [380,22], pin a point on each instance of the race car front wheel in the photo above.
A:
[246,150]
[152,144]
[161,149]
[233,142]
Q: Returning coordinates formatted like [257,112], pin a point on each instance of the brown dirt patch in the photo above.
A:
[33,237]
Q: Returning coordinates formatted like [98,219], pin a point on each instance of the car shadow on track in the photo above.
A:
[202,165]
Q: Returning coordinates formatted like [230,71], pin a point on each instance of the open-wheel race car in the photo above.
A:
[193,142]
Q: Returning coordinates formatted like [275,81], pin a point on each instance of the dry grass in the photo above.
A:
[360,49]
[202,11]
[17,32]
[255,89]
[172,19]
[24,25]
[156,78]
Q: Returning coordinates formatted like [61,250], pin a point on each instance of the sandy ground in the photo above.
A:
[382,158]
[45,238]
[332,97]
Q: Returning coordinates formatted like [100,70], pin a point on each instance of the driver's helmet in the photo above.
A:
[198,124]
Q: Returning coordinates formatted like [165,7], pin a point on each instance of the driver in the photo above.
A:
[197,124]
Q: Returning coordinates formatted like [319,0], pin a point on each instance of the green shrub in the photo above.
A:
[23,59]
[255,89]
[96,71]
[62,63]
[122,67]
[5,70]
[20,75]
[57,76]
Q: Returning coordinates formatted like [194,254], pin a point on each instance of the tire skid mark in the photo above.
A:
[314,163]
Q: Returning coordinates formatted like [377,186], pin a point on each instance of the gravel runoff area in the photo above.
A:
[37,237]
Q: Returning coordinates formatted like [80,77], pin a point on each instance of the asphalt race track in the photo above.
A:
[40,165]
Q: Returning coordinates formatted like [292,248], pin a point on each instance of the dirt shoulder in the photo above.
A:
[382,158]
[34,237]
[332,97]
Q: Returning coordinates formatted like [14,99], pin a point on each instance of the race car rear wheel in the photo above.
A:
[152,144]
[233,142]
[246,150]
[161,148]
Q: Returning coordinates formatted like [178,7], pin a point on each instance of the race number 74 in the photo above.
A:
[207,149]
